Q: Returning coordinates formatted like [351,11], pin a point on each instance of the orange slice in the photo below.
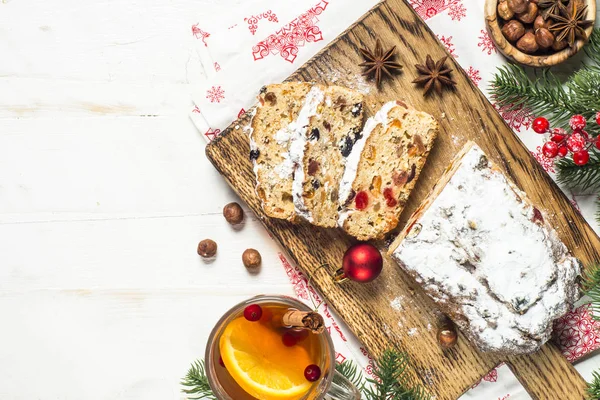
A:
[261,364]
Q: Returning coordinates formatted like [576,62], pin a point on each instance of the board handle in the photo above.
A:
[547,375]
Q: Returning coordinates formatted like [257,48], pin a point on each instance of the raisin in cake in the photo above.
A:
[382,168]
[279,105]
[322,155]
[486,255]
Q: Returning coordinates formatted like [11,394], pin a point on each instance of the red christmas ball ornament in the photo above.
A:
[581,157]
[253,312]
[598,117]
[540,125]
[550,149]
[577,122]
[562,151]
[362,263]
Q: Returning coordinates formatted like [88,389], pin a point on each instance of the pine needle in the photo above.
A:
[197,382]
[351,372]
[594,387]
[583,178]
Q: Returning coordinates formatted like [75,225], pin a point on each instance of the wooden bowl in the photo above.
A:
[510,51]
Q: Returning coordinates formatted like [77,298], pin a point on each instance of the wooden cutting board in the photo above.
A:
[392,311]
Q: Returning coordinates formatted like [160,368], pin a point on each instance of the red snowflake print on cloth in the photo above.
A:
[474,75]
[196,110]
[545,162]
[217,66]
[370,363]
[287,41]
[200,34]
[457,11]
[211,134]
[486,43]
[518,118]
[447,42]
[429,8]
[253,20]
[577,333]
[215,94]
[339,357]
[296,278]
[491,376]
[333,323]
[242,112]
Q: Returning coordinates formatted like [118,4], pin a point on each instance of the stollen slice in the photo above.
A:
[327,142]
[279,105]
[382,169]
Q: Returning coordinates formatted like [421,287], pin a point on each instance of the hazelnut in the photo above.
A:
[504,11]
[207,248]
[518,6]
[540,22]
[527,43]
[558,46]
[447,338]
[233,213]
[251,259]
[544,38]
[513,30]
[529,15]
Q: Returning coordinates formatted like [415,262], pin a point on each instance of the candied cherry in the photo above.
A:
[312,373]
[577,122]
[289,339]
[361,200]
[540,125]
[581,157]
[388,194]
[253,312]
[550,149]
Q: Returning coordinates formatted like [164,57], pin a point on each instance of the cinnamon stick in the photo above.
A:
[304,319]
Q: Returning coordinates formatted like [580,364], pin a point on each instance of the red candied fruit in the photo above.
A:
[388,194]
[361,200]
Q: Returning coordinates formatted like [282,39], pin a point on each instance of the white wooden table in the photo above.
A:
[104,195]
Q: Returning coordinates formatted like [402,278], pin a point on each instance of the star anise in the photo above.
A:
[570,25]
[379,61]
[434,75]
[550,7]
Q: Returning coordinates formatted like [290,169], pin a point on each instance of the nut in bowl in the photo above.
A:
[540,33]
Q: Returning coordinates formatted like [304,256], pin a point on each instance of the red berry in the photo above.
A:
[562,151]
[289,339]
[221,363]
[576,142]
[253,312]
[598,142]
[361,200]
[550,149]
[598,117]
[557,138]
[312,373]
[540,125]
[299,334]
[388,193]
[577,122]
[581,157]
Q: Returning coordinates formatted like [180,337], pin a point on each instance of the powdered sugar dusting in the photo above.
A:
[412,331]
[396,303]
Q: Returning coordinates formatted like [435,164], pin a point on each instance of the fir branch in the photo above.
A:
[350,371]
[390,380]
[593,389]
[591,288]
[197,382]
[592,50]
[584,178]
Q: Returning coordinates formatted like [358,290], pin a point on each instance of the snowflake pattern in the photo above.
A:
[287,41]
[457,11]
[429,8]
[447,42]
[196,110]
[217,67]
[215,94]
[200,34]
[486,43]
[474,75]
[211,134]
[545,162]
[577,333]
[253,20]
[518,118]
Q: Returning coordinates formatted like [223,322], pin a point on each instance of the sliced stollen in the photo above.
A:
[278,106]
[488,258]
[382,169]
[324,148]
